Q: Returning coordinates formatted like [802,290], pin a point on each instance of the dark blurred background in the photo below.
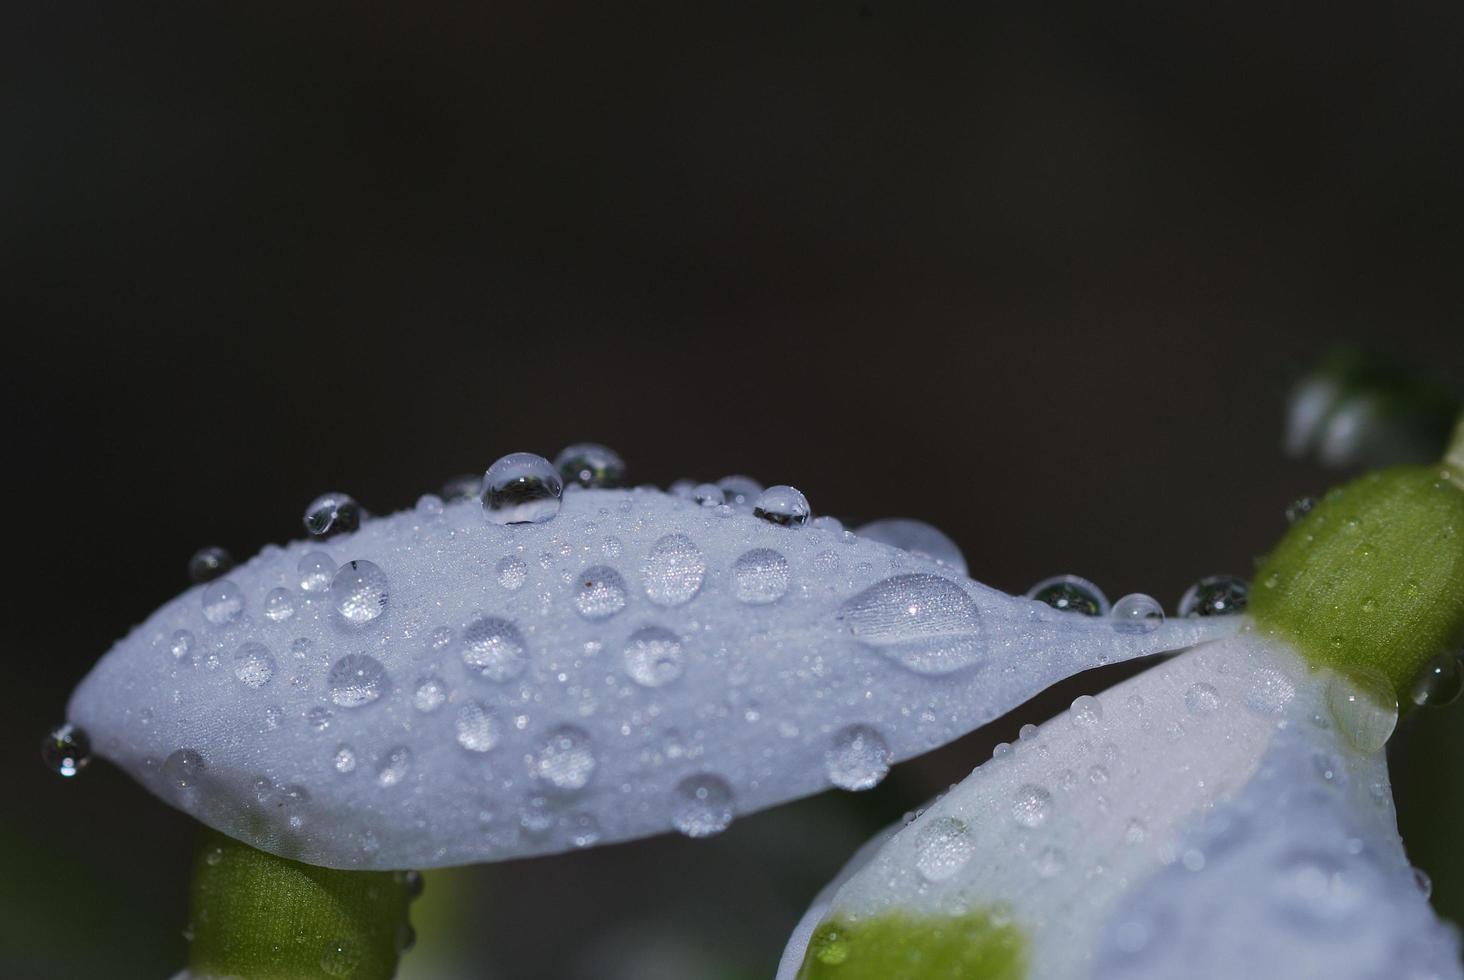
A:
[1039,274]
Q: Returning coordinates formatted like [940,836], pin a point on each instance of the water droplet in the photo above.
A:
[316,569]
[1441,681]
[1137,613]
[943,847]
[1364,709]
[1201,698]
[356,680]
[279,605]
[590,464]
[223,603]
[344,759]
[584,830]
[180,645]
[494,649]
[359,592]
[916,537]
[1032,806]
[1424,883]
[1069,593]
[740,491]
[703,805]
[653,656]
[829,945]
[1268,691]
[340,959]
[319,718]
[858,758]
[428,506]
[1216,595]
[66,750]
[512,572]
[708,495]
[330,514]
[673,570]
[521,488]
[924,622]
[599,592]
[467,486]
[477,728]
[430,693]
[184,768]
[1086,711]
[1299,508]
[782,505]
[566,758]
[254,665]
[760,576]
[208,564]
[393,767]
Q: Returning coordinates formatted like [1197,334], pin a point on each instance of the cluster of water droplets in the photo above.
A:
[1215,595]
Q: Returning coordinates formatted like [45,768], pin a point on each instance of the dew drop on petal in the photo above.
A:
[916,537]
[393,766]
[184,768]
[943,847]
[653,656]
[1069,593]
[858,758]
[599,592]
[1031,806]
[330,514]
[1086,711]
[223,603]
[521,488]
[356,680]
[740,491]
[208,564]
[760,576]
[673,570]
[589,464]
[429,694]
[316,569]
[782,505]
[1201,698]
[344,759]
[926,623]
[494,649]
[512,572]
[477,728]
[1364,710]
[279,605]
[66,750]
[254,665]
[708,495]
[359,592]
[702,805]
[1137,613]
[1216,595]
[566,758]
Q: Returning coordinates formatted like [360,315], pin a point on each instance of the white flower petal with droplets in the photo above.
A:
[1207,820]
[770,669]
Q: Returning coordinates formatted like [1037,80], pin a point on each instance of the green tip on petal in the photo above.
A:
[1371,582]
[908,947]
[267,918]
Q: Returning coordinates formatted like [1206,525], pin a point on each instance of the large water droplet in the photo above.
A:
[223,603]
[590,464]
[1364,709]
[359,592]
[782,505]
[208,564]
[477,728]
[740,491]
[1069,593]
[316,569]
[858,758]
[702,805]
[330,514]
[1137,613]
[924,622]
[393,766]
[184,768]
[566,758]
[1216,595]
[943,847]
[1441,681]
[254,665]
[760,576]
[521,488]
[653,656]
[916,537]
[673,571]
[66,750]
[356,680]
[494,649]
[1032,806]
[599,592]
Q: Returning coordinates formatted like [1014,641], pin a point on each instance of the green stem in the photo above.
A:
[1454,455]
[267,918]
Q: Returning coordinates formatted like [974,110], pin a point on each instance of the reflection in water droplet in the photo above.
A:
[477,728]
[66,750]
[653,656]
[1069,593]
[359,592]
[782,505]
[254,665]
[208,564]
[183,768]
[316,569]
[673,570]
[566,758]
[521,488]
[1032,806]
[494,649]
[222,602]
[942,848]
[926,623]
[1217,595]
[356,680]
[279,605]
[1137,613]
[393,767]
[1364,710]
[858,758]
[330,514]
[760,576]
[590,464]
[702,805]
[599,593]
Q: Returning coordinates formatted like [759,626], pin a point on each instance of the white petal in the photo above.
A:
[1204,819]
[637,663]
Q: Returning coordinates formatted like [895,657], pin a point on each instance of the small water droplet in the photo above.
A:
[653,656]
[340,959]
[344,759]
[708,495]
[356,680]
[1201,698]
[1423,882]
[1031,806]
[1440,682]
[599,592]
[566,758]
[1069,593]
[279,605]
[703,805]
[393,766]
[180,646]
[1215,595]
[208,564]
[223,603]
[589,464]
[740,491]
[858,758]
[673,570]
[428,506]
[1299,508]
[1268,691]
[760,576]
[1086,711]
[316,569]
[184,768]
[1137,613]
[66,750]
[359,592]
[430,693]
[494,649]
[926,623]
[319,718]
[521,488]
[511,572]
[330,514]
[1364,709]
[943,846]
[782,505]
[254,665]
[477,728]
